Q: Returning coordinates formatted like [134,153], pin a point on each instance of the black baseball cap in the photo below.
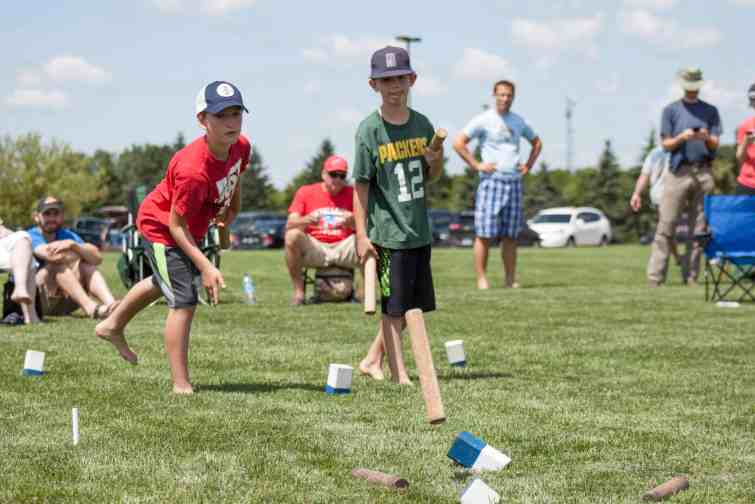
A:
[390,62]
[49,203]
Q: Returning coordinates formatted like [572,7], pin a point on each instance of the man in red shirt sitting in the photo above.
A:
[320,228]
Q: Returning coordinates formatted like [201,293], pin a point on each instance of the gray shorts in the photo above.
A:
[174,274]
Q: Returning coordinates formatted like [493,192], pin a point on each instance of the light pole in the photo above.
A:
[408,40]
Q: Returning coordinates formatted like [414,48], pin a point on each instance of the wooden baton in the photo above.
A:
[438,138]
[380,478]
[667,489]
[423,358]
[370,277]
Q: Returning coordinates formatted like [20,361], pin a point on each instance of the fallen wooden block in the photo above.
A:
[667,489]
[380,478]
[473,453]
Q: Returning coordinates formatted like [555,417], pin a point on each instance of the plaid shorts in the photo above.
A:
[498,208]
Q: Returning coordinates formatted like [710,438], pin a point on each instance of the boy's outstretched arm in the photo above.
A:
[212,279]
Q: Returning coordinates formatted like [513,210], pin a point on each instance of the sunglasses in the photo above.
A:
[338,174]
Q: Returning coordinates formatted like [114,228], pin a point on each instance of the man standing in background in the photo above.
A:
[499,208]
[690,131]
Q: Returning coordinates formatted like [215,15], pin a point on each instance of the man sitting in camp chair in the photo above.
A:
[320,228]
[67,276]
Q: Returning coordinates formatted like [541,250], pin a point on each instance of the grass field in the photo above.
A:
[595,386]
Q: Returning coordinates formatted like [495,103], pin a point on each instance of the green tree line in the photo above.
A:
[31,168]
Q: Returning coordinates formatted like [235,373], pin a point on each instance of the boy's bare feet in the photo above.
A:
[406,381]
[482,284]
[183,388]
[115,337]
[371,370]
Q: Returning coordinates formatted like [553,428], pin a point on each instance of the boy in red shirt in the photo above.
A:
[200,184]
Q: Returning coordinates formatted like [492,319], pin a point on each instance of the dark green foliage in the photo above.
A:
[312,172]
[257,191]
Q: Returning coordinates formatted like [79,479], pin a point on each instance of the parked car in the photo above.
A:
[440,220]
[260,229]
[461,229]
[571,226]
[92,230]
[463,233]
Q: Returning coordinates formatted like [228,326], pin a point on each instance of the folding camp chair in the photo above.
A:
[729,248]
[133,265]
[328,276]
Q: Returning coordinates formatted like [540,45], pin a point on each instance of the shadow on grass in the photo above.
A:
[256,388]
[472,375]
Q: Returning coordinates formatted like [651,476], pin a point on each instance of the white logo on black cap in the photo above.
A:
[390,60]
[225,90]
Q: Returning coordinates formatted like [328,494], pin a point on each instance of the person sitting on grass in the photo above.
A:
[16,256]
[68,278]
[201,183]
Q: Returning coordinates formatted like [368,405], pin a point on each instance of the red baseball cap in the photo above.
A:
[336,164]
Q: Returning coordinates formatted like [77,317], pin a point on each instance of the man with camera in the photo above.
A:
[746,151]
[690,131]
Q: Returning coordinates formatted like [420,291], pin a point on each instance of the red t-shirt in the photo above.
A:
[330,228]
[747,171]
[197,185]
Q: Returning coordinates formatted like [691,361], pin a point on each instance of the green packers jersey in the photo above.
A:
[391,160]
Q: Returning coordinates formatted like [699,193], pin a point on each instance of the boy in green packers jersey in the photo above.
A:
[393,163]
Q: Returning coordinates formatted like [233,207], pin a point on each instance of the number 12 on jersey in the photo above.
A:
[415,189]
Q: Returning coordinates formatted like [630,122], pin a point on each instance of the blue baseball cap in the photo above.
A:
[390,62]
[218,96]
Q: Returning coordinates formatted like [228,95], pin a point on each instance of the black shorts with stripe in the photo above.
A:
[406,280]
[174,274]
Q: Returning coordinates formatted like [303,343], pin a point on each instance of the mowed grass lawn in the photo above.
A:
[597,387]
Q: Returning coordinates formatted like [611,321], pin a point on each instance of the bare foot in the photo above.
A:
[118,341]
[183,389]
[406,382]
[482,284]
[373,371]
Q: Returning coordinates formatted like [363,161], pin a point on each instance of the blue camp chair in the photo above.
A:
[729,248]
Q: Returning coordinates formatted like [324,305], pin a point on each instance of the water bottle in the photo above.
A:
[249,291]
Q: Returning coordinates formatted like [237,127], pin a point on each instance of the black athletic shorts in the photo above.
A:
[173,273]
[405,280]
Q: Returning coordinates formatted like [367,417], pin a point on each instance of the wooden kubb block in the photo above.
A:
[339,379]
[473,453]
[455,352]
[34,363]
[477,492]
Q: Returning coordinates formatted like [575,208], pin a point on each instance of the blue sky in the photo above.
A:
[109,74]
